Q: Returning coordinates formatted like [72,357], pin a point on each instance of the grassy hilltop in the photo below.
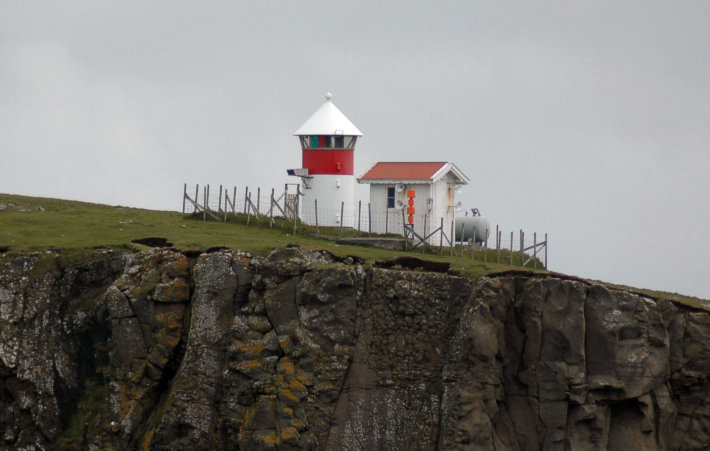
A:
[30,223]
[77,228]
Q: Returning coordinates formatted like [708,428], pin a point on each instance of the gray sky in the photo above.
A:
[586,120]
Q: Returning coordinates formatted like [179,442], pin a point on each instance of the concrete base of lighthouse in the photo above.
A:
[331,192]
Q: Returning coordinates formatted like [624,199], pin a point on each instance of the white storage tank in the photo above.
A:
[475,227]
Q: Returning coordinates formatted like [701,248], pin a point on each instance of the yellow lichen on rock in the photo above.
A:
[286,394]
[147,439]
[288,433]
[251,349]
[268,437]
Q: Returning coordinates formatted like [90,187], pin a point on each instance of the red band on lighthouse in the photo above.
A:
[330,161]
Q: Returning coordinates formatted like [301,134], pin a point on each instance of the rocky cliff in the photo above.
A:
[159,350]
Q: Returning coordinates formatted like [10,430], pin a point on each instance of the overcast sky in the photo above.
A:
[586,120]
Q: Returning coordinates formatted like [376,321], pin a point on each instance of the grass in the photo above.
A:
[76,225]
[30,223]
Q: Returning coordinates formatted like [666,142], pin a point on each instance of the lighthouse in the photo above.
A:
[328,147]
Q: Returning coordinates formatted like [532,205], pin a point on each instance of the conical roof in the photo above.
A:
[328,120]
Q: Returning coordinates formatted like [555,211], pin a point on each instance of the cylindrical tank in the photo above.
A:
[475,228]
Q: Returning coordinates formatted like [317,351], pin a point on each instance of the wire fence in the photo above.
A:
[507,248]
[361,219]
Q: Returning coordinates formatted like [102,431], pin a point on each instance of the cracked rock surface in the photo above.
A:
[300,350]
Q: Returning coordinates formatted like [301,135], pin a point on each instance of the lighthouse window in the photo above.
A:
[328,142]
[390,197]
[350,142]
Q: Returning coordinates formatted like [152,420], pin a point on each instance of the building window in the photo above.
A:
[339,142]
[305,142]
[390,197]
[314,142]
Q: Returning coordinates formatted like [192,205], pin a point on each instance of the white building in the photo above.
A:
[435,185]
[328,153]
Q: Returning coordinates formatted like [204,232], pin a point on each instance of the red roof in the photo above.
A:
[412,170]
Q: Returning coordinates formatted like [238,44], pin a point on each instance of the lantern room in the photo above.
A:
[328,142]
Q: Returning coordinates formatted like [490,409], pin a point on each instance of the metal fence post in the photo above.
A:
[359,206]
[342,210]
[369,220]
[258,199]
[451,241]
[297,208]
[404,231]
[219,201]
[246,194]
[317,229]
[462,225]
[246,203]
[499,238]
[424,233]
[511,248]
[271,210]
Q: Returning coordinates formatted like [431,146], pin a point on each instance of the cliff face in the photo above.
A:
[299,350]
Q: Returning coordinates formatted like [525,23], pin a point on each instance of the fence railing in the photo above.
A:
[427,231]
[504,248]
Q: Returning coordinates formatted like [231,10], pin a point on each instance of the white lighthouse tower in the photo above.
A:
[328,147]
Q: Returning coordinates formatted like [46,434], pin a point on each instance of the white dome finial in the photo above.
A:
[328,96]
